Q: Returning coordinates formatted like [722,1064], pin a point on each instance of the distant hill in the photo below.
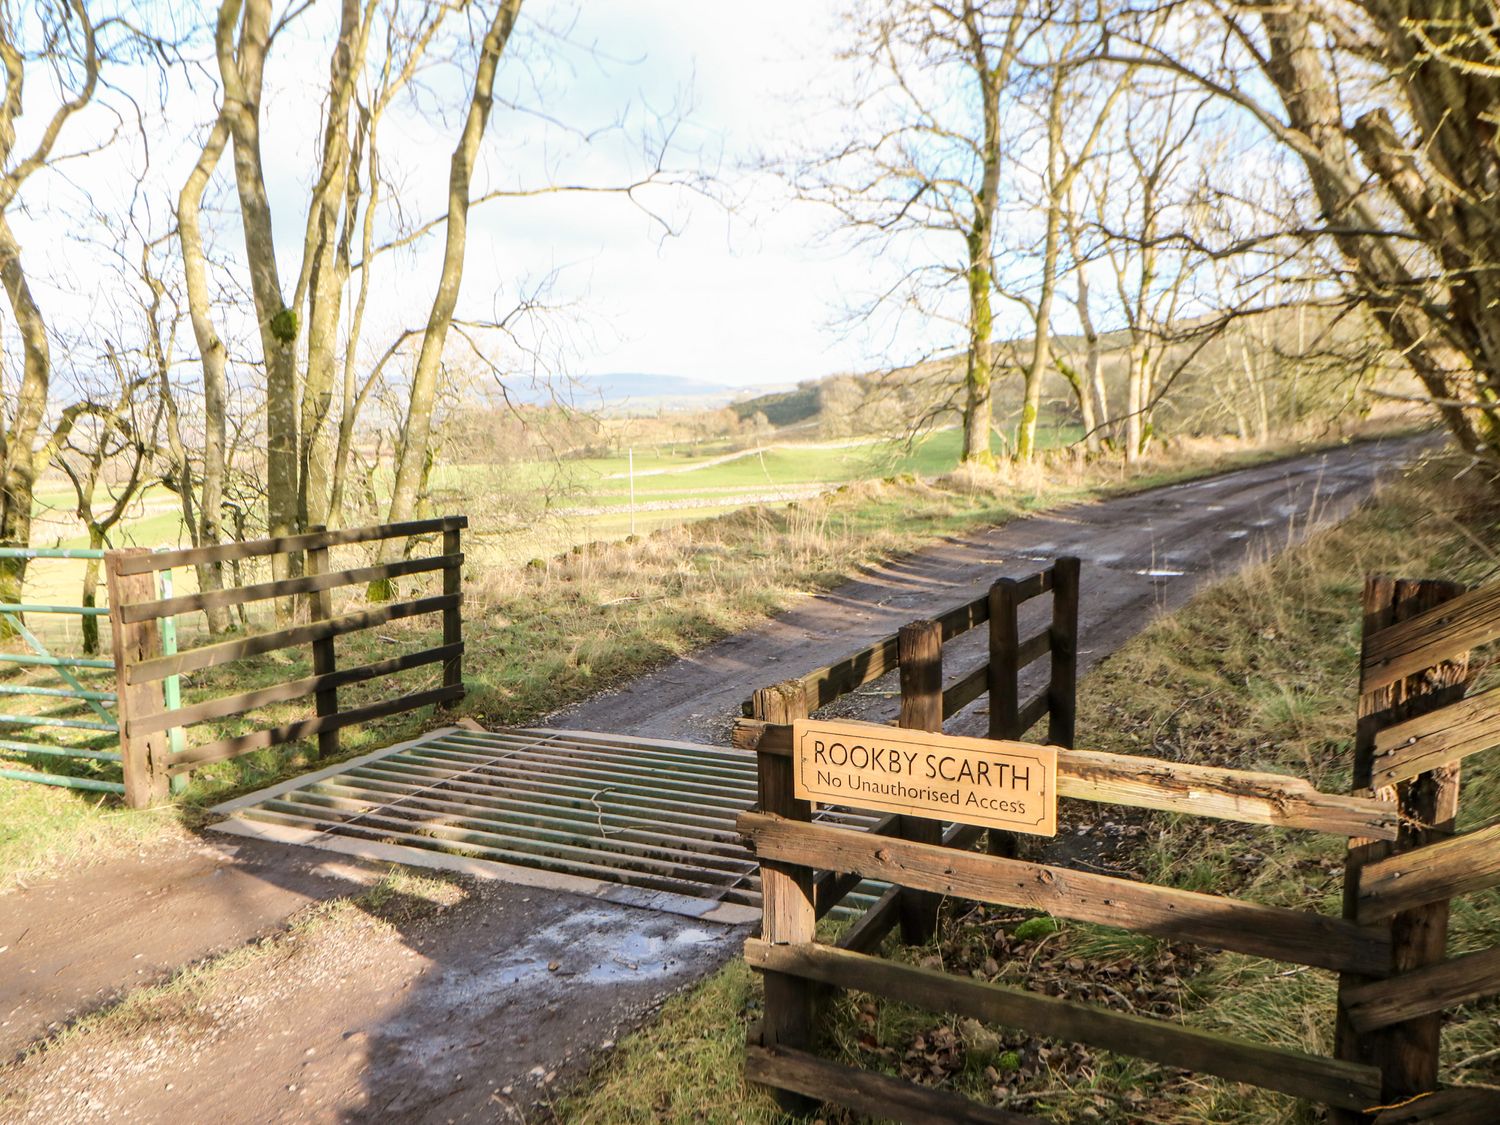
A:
[632,392]
[782,408]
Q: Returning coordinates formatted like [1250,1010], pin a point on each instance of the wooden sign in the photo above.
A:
[1010,785]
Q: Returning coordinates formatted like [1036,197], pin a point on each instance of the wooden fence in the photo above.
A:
[1415,728]
[141,667]
[1000,676]
[1387,948]
[916,652]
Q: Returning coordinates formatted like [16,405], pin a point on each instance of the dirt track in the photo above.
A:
[1141,554]
[465,1014]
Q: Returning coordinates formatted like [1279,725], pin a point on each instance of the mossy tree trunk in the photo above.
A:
[242,60]
[416,431]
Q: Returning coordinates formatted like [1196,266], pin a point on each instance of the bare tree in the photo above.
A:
[242,44]
[926,159]
[1077,104]
[1146,195]
[61,38]
[1389,108]
[1088,385]
[109,441]
[412,457]
[318,375]
[202,505]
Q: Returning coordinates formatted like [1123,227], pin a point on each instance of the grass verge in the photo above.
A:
[1258,672]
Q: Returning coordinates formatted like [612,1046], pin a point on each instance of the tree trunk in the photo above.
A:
[1104,428]
[19,483]
[325,269]
[416,433]
[1094,390]
[352,400]
[1135,402]
[241,71]
[207,528]
[69,47]
[1058,180]
[1453,345]
[91,595]
[979,372]
[1085,399]
[1257,390]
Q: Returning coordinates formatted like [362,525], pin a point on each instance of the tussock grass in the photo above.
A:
[686,1066]
[1258,672]
[566,626]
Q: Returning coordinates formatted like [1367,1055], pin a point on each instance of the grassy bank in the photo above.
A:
[528,508]
[1259,673]
[541,637]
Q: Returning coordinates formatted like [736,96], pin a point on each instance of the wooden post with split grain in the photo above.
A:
[1062,691]
[919,649]
[788,908]
[1406,1052]
[144,757]
[1005,641]
[324,657]
[1005,687]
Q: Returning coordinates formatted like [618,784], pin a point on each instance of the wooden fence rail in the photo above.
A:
[1389,947]
[1245,796]
[141,666]
[1008,655]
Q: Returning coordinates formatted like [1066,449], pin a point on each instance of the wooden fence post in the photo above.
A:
[789,914]
[1062,691]
[453,618]
[1406,1053]
[143,758]
[1005,689]
[1005,640]
[324,657]
[919,651]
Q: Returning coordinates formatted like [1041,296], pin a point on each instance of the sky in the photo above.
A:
[745,291]
[742,291]
[747,287]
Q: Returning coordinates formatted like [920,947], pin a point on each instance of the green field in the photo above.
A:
[529,509]
[687,473]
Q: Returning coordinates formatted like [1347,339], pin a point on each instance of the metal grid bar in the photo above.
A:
[172,685]
[60,693]
[55,661]
[65,782]
[56,721]
[62,664]
[9,746]
[50,553]
[644,813]
[76,610]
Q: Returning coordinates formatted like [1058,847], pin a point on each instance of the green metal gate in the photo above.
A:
[72,713]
